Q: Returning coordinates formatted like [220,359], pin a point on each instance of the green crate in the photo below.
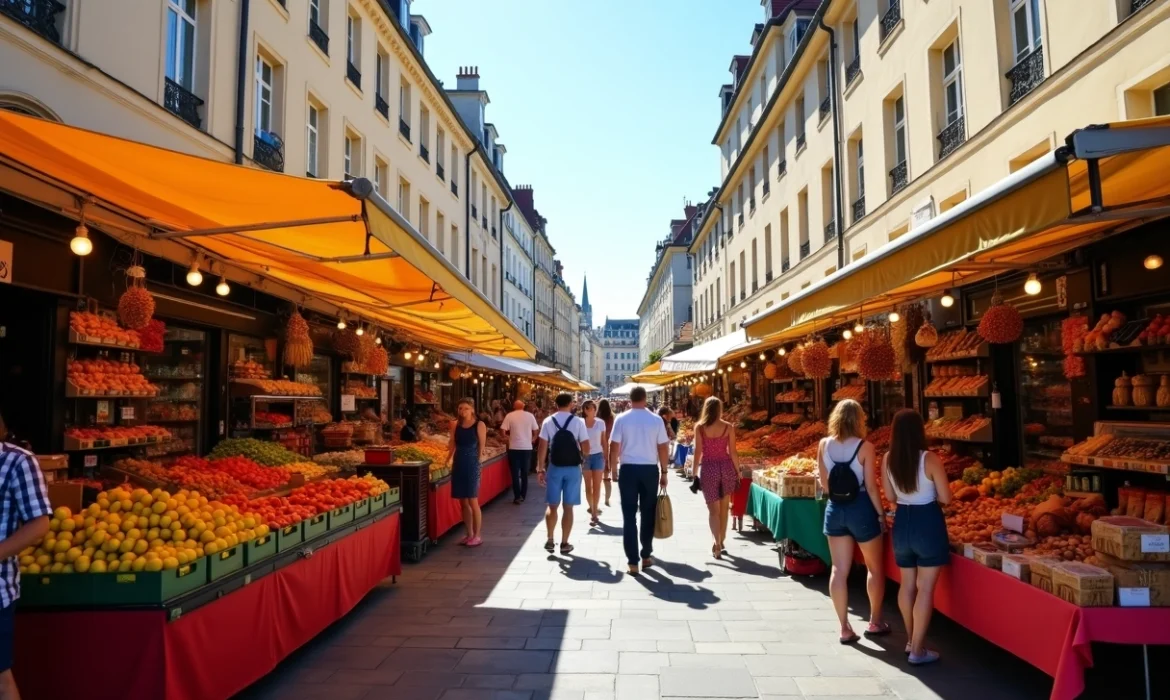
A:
[341,516]
[289,537]
[377,502]
[392,496]
[316,526]
[361,509]
[125,588]
[226,562]
[259,548]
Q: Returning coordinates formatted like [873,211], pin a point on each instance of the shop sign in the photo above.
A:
[102,412]
[348,403]
[1133,597]
[5,262]
[921,213]
[1062,292]
[127,413]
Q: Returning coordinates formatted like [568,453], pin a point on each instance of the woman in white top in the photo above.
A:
[595,461]
[916,478]
[847,467]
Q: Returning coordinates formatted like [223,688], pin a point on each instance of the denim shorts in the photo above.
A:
[7,633]
[920,536]
[857,519]
[595,462]
[563,486]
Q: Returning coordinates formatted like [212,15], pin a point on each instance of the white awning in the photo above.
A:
[495,363]
[705,357]
[625,389]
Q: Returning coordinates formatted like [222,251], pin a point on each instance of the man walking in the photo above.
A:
[521,428]
[563,441]
[638,444]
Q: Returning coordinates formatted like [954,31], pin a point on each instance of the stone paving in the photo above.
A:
[508,621]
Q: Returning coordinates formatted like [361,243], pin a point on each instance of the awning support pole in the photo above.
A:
[265,226]
[1095,199]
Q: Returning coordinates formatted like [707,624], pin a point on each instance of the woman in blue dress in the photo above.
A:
[464,456]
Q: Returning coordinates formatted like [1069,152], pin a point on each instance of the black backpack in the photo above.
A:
[843,484]
[566,451]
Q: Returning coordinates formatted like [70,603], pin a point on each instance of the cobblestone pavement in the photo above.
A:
[508,621]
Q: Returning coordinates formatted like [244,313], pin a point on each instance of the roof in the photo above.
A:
[738,64]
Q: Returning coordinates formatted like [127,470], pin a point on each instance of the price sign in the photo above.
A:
[90,461]
[969,551]
[127,413]
[102,412]
[1011,568]
[1133,597]
[348,403]
[1015,523]
[1155,543]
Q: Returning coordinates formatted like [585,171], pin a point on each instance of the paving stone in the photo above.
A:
[776,665]
[477,661]
[638,662]
[707,661]
[490,680]
[729,648]
[586,662]
[556,681]
[619,645]
[812,687]
[777,686]
[491,643]
[423,659]
[708,632]
[707,683]
[430,642]
[636,687]
[843,666]
[485,694]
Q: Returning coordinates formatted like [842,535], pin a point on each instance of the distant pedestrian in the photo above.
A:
[605,413]
[918,481]
[638,444]
[847,467]
[595,461]
[465,455]
[716,468]
[521,428]
[665,414]
[564,442]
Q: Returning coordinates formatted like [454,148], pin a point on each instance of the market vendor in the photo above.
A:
[409,432]
[24,519]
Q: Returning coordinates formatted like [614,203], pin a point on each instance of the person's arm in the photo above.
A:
[663,457]
[697,462]
[32,505]
[535,429]
[731,447]
[868,457]
[822,473]
[604,448]
[451,444]
[506,428]
[615,445]
[936,471]
[481,433]
[887,480]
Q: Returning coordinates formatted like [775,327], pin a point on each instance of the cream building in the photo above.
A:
[564,313]
[619,348]
[931,103]
[325,88]
[519,283]
[666,307]
[543,272]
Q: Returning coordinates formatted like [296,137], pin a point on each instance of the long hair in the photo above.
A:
[712,412]
[847,420]
[587,405]
[907,441]
[604,410]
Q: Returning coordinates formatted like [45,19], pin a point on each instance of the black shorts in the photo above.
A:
[7,629]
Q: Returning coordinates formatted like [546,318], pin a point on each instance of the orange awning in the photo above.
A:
[363,258]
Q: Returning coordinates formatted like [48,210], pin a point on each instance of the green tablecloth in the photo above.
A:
[799,519]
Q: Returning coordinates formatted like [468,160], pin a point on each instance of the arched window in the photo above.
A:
[26,104]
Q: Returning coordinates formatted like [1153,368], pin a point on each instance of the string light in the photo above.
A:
[1152,262]
[360,331]
[80,243]
[895,317]
[341,323]
[743,364]
[194,276]
[763,357]
[947,300]
[222,288]
[859,328]
[378,340]
[846,334]
[1032,286]
[407,354]
[781,352]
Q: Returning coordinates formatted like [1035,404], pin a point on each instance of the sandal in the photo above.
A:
[550,546]
[566,548]
[851,639]
[880,630]
[716,552]
[928,657]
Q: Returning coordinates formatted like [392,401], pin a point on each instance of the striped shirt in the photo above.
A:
[23,497]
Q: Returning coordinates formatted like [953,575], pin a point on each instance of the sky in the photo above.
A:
[607,109]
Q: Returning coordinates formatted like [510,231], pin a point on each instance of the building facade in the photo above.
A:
[922,125]
[564,322]
[519,283]
[591,357]
[543,272]
[619,348]
[666,305]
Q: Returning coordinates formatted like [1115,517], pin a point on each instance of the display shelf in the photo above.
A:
[1120,463]
[166,378]
[271,398]
[72,391]
[1125,348]
[94,341]
[1146,409]
[983,392]
[983,434]
[75,445]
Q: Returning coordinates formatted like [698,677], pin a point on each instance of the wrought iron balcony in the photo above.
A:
[268,150]
[826,106]
[800,140]
[483,222]
[474,212]
[859,208]
[424,153]
[830,230]
[404,128]
[752,204]
[767,188]
[382,106]
[319,37]
[804,250]
[890,19]
[898,177]
[454,188]
[951,137]
[493,231]
[38,15]
[439,171]
[742,295]
[784,266]
[781,168]
[1135,5]
[767,276]
[182,102]
[354,75]
[1026,74]
[853,70]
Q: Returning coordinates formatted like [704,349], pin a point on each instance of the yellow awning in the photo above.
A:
[653,374]
[364,258]
[1036,213]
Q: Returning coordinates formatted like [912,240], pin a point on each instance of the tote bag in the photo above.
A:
[663,517]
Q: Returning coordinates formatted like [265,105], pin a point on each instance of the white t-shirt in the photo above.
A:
[520,426]
[574,424]
[596,433]
[639,432]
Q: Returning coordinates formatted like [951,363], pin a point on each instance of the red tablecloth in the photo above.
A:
[215,650]
[443,511]
[1052,635]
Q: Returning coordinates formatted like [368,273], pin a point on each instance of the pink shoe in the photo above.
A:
[474,542]
[464,540]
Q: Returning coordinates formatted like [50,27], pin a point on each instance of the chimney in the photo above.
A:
[689,210]
[467,78]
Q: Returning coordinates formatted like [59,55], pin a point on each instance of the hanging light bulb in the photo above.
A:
[859,328]
[895,317]
[781,352]
[846,334]
[360,330]
[743,364]
[1032,286]
[763,357]
[720,370]
[222,288]
[81,245]
[378,340]
[1152,262]
[436,365]
[947,300]
[341,324]
[194,276]
[475,381]
[407,354]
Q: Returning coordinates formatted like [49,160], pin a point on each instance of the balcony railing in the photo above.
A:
[404,128]
[424,153]
[752,204]
[826,106]
[767,276]
[951,137]
[319,37]
[439,171]
[830,230]
[493,231]
[455,188]
[182,102]
[268,150]
[1135,5]
[474,212]
[354,75]
[890,19]
[853,70]
[898,177]
[742,296]
[781,168]
[804,250]
[767,188]
[859,208]
[382,106]
[740,219]
[38,15]
[784,266]
[483,222]
[1026,74]
[800,140]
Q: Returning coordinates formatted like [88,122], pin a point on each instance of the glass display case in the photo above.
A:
[250,357]
[319,372]
[179,371]
[1045,394]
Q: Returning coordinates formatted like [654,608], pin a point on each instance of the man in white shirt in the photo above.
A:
[521,428]
[564,441]
[638,442]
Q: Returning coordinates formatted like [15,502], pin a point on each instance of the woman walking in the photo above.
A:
[464,456]
[595,461]
[605,413]
[847,467]
[917,479]
[716,468]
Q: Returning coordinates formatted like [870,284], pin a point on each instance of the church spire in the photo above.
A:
[586,309]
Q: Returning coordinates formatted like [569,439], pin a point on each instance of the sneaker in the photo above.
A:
[475,542]
[928,657]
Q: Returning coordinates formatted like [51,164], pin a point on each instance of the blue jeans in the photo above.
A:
[518,463]
[638,484]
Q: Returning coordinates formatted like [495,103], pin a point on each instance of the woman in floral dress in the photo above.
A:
[717,468]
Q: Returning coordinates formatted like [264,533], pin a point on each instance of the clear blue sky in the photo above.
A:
[607,109]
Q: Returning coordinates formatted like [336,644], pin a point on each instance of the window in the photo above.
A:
[455,244]
[763,89]
[404,108]
[474,267]
[311,134]
[381,173]
[440,228]
[264,82]
[755,267]
[860,184]
[800,119]
[316,17]
[353,31]
[794,38]
[856,39]
[440,150]
[899,130]
[180,66]
[404,198]
[953,82]
[768,252]
[382,74]
[1162,100]
[424,129]
[742,274]
[1025,27]
[352,157]
[424,218]
[731,283]
[454,170]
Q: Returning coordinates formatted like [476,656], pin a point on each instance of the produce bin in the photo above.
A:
[316,526]
[289,537]
[126,588]
[377,502]
[341,516]
[393,497]
[260,548]
[226,562]
[361,509]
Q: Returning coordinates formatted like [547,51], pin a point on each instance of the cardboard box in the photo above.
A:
[1138,584]
[1131,539]
[1018,566]
[68,495]
[1042,572]
[987,555]
[1083,584]
[54,467]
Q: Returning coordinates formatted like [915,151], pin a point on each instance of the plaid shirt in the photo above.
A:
[23,497]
